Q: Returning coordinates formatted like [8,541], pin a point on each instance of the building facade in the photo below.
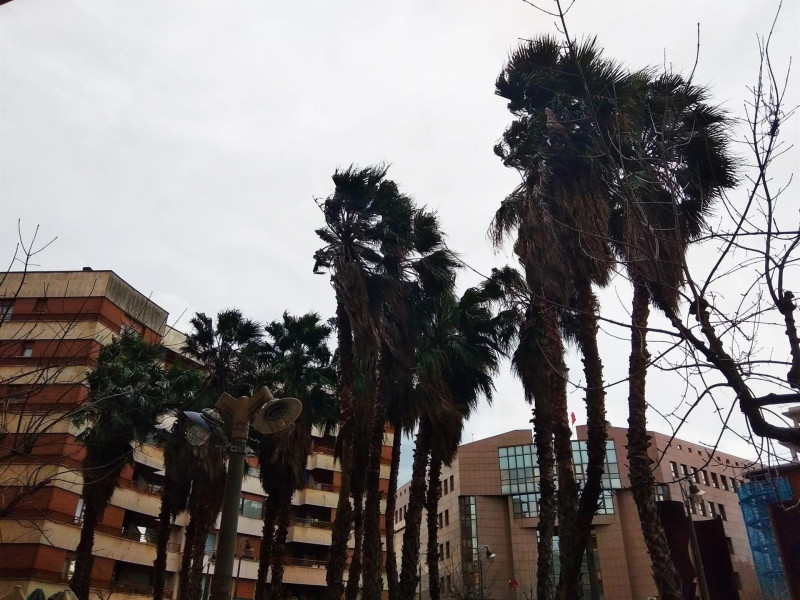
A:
[52,326]
[490,500]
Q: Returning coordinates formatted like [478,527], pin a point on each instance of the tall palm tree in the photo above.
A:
[227,350]
[125,399]
[297,362]
[520,322]
[676,165]
[459,353]
[561,213]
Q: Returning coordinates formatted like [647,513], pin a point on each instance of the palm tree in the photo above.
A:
[520,321]
[459,352]
[185,390]
[125,399]
[561,214]
[677,164]
[297,361]
[228,351]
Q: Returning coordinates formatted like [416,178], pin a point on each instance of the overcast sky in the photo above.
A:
[182,144]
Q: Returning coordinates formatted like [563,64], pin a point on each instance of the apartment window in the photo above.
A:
[446,518]
[441,521]
[693,507]
[734,484]
[251,508]
[6,310]
[685,471]
[449,584]
[451,483]
[712,511]
[702,506]
[724,482]
[26,351]
[695,478]
[690,450]
[680,447]
[730,545]
[703,477]
[714,479]
[673,467]
[211,543]
[722,514]
[447,549]
[441,551]
[445,486]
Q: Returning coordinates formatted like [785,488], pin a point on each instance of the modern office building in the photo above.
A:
[490,499]
[52,326]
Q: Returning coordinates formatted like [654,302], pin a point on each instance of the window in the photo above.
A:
[722,513]
[714,479]
[712,512]
[685,471]
[6,310]
[730,545]
[724,482]
[26,351]
[673,467]
[693,507]
[441,521]
[680,447]
[446,518]
[441,551]
[447,549]
[451,483]
[702,508]
[734,484]
[40,305]
[445,486]
[690,450]
[211,543]
[695,478]
[703,477]
[449,584]
[251,508]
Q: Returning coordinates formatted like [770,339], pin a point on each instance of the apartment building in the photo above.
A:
[490,501]
[52,326]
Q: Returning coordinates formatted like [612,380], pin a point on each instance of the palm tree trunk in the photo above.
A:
[543,438]
[186,559]
[84,559]
[643,483]
[354,571]
[160,563]
[432,508]
[337,557]
[416,501]
[373,552]
[265,552]
[567,496]
[391,503]
[595,443]
[279,549]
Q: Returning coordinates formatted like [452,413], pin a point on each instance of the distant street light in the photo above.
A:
[268,416]
[688,499]
[489,556]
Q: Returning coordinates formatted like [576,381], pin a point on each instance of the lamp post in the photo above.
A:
[248,552]
[489,555]
[693,494]
[267,416]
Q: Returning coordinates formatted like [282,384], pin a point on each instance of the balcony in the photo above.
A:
[40,575]
[310,531]
[304,571]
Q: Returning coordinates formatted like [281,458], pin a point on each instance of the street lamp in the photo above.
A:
[248,552]
[688,499]
[268,416]
[489,556]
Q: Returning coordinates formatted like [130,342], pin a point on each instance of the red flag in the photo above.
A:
[572,417]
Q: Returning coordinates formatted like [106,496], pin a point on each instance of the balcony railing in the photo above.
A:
[50,576]
[146,488]
[324,487]
[311,523]
[304,562]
